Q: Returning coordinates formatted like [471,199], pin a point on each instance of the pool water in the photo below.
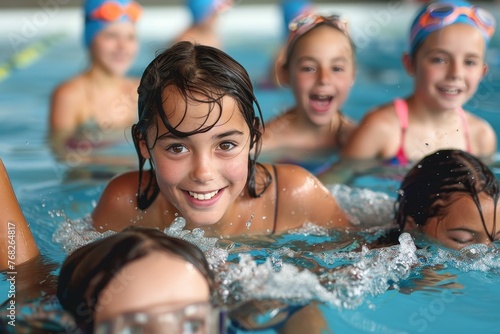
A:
[349,287]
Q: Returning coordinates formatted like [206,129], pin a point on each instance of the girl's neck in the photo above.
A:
[425,114]
[303,123]
[102,77]
[210,23]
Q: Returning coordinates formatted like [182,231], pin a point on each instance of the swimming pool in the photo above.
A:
[357,289]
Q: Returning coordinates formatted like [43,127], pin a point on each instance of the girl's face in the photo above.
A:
[321,73]
[203,174]
[462,225]
[157,280]
[115,47]
[448,66]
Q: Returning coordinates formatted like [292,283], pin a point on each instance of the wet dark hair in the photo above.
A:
[196,70]
[88,270]
[429,184]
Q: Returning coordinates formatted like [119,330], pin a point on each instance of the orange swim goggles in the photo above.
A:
[113,11]
[440,15]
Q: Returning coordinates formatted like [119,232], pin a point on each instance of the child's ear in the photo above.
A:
[144,149]
[408,64]
[282,77]
[485,69]
[410,224]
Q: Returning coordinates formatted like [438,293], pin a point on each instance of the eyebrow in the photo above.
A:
[309,58]
[169,135]
[228,134]
[464,229]
[449,54]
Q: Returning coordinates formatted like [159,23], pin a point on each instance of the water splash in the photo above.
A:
[73,234]
[364,207]
[216,256]
[372,273]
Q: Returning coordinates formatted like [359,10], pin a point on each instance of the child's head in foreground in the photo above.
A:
[138,271]
[187,90]
[319,65]
[450,196]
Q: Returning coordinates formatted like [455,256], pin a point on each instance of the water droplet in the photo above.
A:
[249,222]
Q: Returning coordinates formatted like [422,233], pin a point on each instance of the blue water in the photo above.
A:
[459,297]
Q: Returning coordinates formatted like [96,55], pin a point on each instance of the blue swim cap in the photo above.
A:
[100,13]
[202,9]
[443,13]
[293,8]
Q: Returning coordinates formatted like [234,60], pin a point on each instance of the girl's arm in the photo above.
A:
[64,104]
[17,244]
[372,137]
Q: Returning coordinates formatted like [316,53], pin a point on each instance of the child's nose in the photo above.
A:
[455,70]
[202,170]
[324,75]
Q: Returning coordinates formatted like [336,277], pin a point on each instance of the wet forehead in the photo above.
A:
[464,213]
[199,111]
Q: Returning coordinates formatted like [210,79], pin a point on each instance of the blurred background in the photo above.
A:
[35,3]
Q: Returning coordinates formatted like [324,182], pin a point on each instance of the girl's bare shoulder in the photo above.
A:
[483,136]
[73,88]
[125,183]
[383,115]
[117,206]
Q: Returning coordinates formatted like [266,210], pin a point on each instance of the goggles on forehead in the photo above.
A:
[113,11]
[303,23]
[199,318]
[441,15]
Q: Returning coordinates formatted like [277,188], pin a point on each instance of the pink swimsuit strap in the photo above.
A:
[402,112]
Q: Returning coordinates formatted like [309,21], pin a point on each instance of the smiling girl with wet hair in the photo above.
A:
[200,129]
